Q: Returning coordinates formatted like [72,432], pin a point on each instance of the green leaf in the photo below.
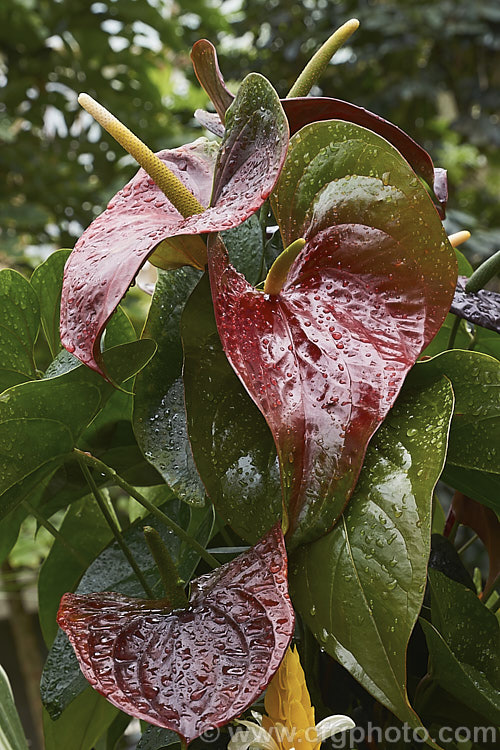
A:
[475,428]
[159,413]
[46,280]
[245,245]
[62,680]
[232,445]
[19,323]
[479,485]
[363,606]
[81,724]
[86,530]
[11,732]
[464,646]
[41,421]
[155,738]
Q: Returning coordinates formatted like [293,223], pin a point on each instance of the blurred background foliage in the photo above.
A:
[432,67]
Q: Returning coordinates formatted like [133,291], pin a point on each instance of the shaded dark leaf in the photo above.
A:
[486,525]
[20,320]
[481,308]
[194,669]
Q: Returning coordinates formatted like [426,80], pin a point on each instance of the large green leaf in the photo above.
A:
[475,428]
[360,588]
[19,323]
[231,442]
[41,421]
[62,679]
[46,280]
[464,646]
[81,724]
[159,414]
[86,530]
[11,732]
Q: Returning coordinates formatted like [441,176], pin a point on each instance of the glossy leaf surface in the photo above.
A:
[481,308]
[232,446]
[193,669]
[459,622]
[110,253]
[20,320]
[324,359]
[46,280]
[62,679]
[364,604]
[301,111]
[475,428]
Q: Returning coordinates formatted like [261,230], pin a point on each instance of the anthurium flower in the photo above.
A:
[141,220]
[289,723]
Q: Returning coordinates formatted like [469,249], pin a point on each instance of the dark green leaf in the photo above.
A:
[245,245]
[86,530]
[155,738]
[364,604]
[479,485]
[159,412]
[231,443]
[46,280]
[81,724]
[464,646]
[62,680]
[475,428]
[19,323]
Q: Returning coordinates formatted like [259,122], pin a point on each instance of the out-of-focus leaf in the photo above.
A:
[206,67]
[110,253]
[481,308]
[62,679]
[360,588]
[46,280]
[20,320]
[11,732]
[232,446]
[193,669]
[81,724]
[459,623]
[86,530]
[325,358]
[486,525]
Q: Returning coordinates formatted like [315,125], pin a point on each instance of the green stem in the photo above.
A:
[132,491]
[317,64]
[172,583]
[177,193]
[53,531]
[453,332]
[114,528]
[279,270]
[484,273]
[492,586]
[467,544]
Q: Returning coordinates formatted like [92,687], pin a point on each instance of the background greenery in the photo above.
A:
[433,68]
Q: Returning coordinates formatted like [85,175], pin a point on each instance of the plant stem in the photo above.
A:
[490,588]
[318,62]
[53,531]
[467,544]
[90,460]
[114,528]
[484,273]
[453,332]
[172,583]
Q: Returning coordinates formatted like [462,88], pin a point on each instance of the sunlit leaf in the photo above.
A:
[194,669]
[325,358]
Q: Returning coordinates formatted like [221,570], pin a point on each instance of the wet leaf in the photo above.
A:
[302,111]
[46,280]
[364,605]
[110,253]
[20,320]
[159,412]
[481,308]
[459,623]
[475,428]
[194,669]
[324,360]
[62,679]
[155,738]
[232,446]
